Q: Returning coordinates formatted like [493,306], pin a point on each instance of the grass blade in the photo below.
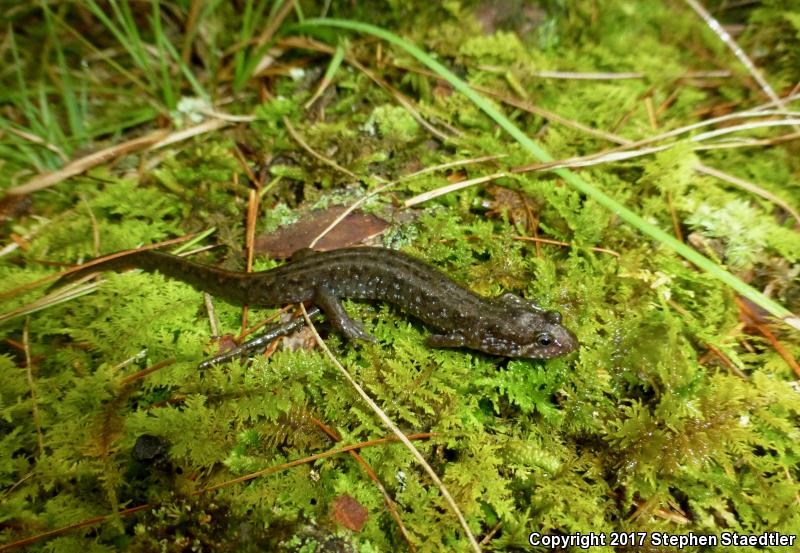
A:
[72,103]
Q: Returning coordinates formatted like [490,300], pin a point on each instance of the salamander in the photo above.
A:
[507,325]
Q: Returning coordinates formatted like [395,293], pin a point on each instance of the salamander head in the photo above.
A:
[525,330]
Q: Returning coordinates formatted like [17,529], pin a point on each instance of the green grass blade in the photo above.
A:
[187,72]
[103,55]
[24,93]
[190,244]
[298,10]
[166,78]
[48,127]
[127,34]
[134,42]
[247,58]
[72,104]
[771,306]
[37,118]
[243,62]
[15,149]
[116,31]
[336,61]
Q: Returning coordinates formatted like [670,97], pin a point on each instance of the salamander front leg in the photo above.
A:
[338,317]
[452,340]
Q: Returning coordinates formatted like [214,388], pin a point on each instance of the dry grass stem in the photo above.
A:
[426,196]
[83,164]
[720,31]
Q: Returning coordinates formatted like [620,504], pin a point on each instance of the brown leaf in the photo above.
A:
[354,229]
[349,513]
[226,342]
[12,206]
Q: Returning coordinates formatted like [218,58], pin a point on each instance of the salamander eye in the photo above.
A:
[544,339]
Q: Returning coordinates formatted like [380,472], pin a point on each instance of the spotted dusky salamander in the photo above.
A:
[507,325]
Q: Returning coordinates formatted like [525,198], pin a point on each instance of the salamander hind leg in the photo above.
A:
[338,317]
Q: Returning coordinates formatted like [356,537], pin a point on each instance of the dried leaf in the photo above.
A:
[355,228]
[349,513]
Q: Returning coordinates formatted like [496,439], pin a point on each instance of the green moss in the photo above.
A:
[395,123]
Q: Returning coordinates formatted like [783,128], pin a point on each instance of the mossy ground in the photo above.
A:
[673,416]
